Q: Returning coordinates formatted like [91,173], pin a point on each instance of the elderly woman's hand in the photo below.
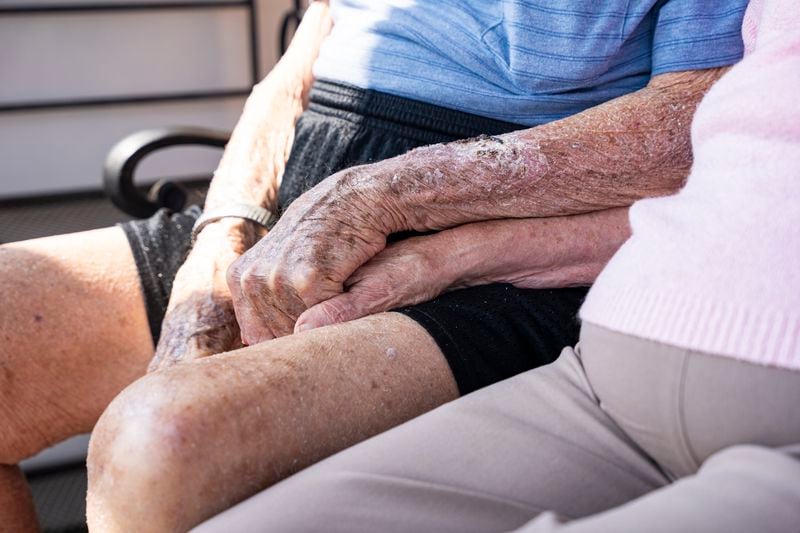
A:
[319,242]
[408,272]
[537,253]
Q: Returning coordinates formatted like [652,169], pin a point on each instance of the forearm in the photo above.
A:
[530,253]
[535,253]
[254,160]
[609,156]
[200,319]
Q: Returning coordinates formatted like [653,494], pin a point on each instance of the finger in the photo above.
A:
[262,318]
[246,299]
[342,308]
[254,325]
[272,298]
[233,279]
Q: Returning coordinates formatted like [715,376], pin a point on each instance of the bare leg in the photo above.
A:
[16,498]
[73,333]
[182,444]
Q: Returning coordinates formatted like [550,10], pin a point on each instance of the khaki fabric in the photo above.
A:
[592,442]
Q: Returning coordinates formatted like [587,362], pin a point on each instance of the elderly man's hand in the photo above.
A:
[322,238]
[200,320]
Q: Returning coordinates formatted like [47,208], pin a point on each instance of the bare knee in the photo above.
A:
[149,460]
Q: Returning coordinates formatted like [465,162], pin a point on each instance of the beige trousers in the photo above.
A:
[620,434]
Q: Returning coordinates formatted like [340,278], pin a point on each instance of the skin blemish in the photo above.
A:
[38,318]
[391,353]
[395,182]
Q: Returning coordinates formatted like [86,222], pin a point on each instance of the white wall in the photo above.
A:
[60,56]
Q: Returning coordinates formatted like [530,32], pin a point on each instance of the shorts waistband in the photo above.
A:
[332,97]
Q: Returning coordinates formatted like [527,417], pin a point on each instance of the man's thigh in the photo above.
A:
[488,462]
[73,333]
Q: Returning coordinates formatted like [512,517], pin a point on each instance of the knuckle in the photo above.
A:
[337,311]
[377,294]
[276,278]
[251,280]
[302,279]
[304,282]
[234,273]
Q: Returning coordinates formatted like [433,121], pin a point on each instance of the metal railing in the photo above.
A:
[86,7]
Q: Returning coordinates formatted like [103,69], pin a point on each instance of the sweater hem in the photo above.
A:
[767,337]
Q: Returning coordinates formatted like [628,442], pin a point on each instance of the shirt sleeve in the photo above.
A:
[697,34]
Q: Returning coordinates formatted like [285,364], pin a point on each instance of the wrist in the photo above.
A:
[463,254]
[414,191]
[368,191]
[281,83]
[448,260]
[236,234]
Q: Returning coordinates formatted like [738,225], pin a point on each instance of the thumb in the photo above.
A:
[341,308]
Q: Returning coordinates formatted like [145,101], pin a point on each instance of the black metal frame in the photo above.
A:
[125,156]
[62,9]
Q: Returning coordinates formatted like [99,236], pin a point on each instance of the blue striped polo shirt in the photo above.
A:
[524,61]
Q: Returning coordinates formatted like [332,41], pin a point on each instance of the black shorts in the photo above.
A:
[487,333]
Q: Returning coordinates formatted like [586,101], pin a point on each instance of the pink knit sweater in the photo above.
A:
[716,267]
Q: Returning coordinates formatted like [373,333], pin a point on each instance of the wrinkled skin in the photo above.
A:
[404,273]
[306,258]
[200,320]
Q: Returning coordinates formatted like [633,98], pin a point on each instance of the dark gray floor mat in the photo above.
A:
[60,498]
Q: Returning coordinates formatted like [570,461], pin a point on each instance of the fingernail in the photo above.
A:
[300,328]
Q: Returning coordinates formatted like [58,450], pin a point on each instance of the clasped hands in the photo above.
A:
[326,261]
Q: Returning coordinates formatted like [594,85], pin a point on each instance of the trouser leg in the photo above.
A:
[738,490]
[488,462]
[682,406]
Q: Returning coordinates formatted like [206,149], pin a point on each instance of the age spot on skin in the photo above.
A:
[38,318]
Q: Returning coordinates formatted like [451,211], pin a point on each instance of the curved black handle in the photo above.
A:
[124,157]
